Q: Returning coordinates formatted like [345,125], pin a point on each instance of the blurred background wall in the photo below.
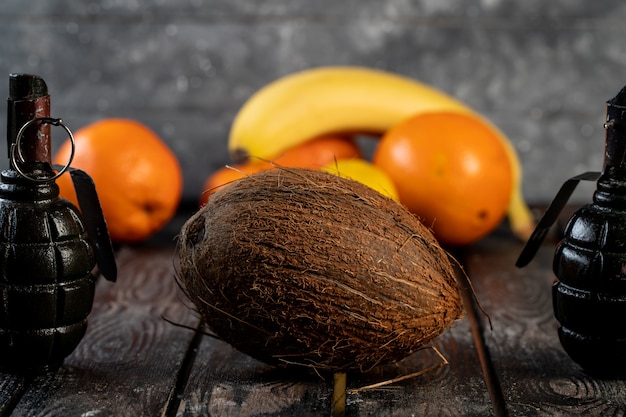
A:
[541,70]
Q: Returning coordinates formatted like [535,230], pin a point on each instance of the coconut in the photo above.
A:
[301,267]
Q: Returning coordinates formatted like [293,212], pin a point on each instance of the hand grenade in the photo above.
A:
[46,259]
[589,295]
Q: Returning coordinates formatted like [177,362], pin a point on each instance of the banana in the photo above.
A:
[322,100]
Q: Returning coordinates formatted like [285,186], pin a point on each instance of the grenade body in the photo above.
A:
[589,296]
[46,283]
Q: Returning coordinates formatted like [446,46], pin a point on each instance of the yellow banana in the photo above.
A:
[310,103]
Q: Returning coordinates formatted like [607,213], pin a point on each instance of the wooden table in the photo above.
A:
[134,362]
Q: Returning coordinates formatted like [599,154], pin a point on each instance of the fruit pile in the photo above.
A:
[446,163]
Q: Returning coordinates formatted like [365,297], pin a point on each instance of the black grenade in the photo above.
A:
[46,258]
[589,295]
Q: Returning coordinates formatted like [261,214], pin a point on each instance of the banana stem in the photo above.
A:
[339,394]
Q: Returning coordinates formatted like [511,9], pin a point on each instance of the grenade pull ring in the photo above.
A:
[17,157]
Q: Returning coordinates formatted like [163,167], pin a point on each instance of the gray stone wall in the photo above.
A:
[541,70]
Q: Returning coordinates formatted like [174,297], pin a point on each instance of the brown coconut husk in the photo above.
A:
[300,267]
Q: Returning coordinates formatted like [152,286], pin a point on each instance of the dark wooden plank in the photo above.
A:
[11,389]
[537,376]
[128,362]
[225,382]
[456,389]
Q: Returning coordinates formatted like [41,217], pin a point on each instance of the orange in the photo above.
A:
[313,154]
[138,178]
[228,174]
[450,170]
[317,152]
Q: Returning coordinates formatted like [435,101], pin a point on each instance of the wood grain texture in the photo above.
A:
[537,376]
[128,362]
[11,389]
[452,390]
[225,382]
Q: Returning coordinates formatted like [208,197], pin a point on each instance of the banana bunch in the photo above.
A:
[303,105]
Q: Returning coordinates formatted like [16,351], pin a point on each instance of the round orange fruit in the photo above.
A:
[452,171]
[312,154]
[228,174]
[138,178]
[318,152]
